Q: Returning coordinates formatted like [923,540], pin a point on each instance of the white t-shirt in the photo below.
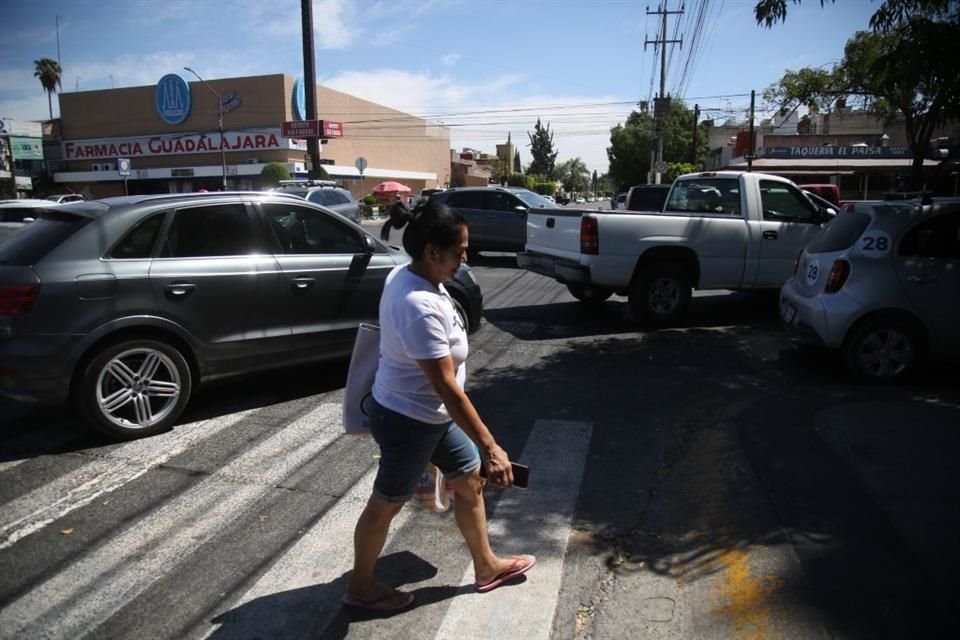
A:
[417,322]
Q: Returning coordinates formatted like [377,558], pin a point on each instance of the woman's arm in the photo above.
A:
[443,376]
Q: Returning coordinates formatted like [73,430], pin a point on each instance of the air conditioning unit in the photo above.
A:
[96,166]
[108,166]
[253,161]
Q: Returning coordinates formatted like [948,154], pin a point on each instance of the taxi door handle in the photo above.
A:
[180,289]
[769,235]
[921,279]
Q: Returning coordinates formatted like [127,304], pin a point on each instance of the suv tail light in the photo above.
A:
[16,300]
[838,275]
[589,239]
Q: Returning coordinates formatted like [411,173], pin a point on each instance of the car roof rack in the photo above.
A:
[305,182]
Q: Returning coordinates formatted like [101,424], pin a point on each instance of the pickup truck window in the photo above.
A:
[782,202]
[466,200]
[707,195]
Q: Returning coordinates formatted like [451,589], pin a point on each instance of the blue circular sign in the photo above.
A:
[172,99]
[300,99]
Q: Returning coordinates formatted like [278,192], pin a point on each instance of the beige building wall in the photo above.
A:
[393,142]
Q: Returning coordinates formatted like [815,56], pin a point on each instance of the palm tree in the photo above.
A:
[49,72]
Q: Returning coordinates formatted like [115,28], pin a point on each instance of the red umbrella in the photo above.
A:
[390,187]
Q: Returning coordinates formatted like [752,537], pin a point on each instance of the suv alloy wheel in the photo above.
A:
[134,388]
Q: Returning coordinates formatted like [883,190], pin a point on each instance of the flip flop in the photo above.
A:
[389,602]
[509,574]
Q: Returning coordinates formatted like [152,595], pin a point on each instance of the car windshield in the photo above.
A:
[535,200]
[840,234]
[294,191]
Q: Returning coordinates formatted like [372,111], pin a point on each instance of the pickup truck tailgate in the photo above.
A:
[554,232]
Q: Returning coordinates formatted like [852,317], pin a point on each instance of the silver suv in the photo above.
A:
[124,305]
[882,284]
[324,193]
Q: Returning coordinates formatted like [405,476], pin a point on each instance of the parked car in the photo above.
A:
[124,305]
[646,197]
[16,214]
[324,193]
[496,216]
[881,283]
[64,198]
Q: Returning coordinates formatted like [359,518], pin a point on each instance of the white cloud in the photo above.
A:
[581,124]
[450,59]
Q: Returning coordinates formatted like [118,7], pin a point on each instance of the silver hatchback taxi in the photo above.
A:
[882,284]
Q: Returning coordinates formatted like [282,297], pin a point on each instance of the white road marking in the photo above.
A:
[321,556]
[78,598]
[539,522]
[31,512]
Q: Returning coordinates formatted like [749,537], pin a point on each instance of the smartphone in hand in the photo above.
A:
[521,474]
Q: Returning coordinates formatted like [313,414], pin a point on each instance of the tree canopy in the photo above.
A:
[573,174]
[630,143]
[905,69]
[49,72]
[542,150]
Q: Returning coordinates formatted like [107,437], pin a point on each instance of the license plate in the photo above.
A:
[788,312]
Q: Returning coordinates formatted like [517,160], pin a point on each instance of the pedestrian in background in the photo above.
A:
[420,412]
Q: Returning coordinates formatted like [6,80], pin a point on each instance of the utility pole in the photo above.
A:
[661,106]
[753,95]
[310,80]
[696,120]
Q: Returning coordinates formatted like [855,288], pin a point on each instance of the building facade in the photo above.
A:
[166,138]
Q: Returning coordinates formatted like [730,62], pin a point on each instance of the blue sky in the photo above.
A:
[483,67]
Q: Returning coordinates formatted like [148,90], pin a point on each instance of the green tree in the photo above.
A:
[573,174]
[273,172]
[903,70]
[630,144]
[676,169]
[49,72]
[890,15]
[542,150]
[516,162]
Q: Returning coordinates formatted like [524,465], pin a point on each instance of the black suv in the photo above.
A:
[123,305]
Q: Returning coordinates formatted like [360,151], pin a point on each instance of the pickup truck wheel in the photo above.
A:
[589,295]
[660,295]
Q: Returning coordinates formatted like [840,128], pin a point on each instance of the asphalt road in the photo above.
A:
[709,481]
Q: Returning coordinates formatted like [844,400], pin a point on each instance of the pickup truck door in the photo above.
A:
[506,224]
[789,223]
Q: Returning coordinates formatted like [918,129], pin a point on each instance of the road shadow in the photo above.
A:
[316,612]
[703,453]
[494,259]
[28,431]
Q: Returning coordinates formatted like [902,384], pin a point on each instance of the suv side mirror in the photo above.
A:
[369,245]
[520,209]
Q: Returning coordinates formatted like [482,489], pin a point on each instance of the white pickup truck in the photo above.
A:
[718,230]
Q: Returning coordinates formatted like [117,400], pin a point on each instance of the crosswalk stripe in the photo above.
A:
[323,555]
[540,524]
[127,462]
[81,596]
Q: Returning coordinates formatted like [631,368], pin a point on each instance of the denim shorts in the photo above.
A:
[407,445]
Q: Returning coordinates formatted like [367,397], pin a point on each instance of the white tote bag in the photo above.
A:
[359,391]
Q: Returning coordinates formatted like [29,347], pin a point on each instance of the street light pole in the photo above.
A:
[223,153]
